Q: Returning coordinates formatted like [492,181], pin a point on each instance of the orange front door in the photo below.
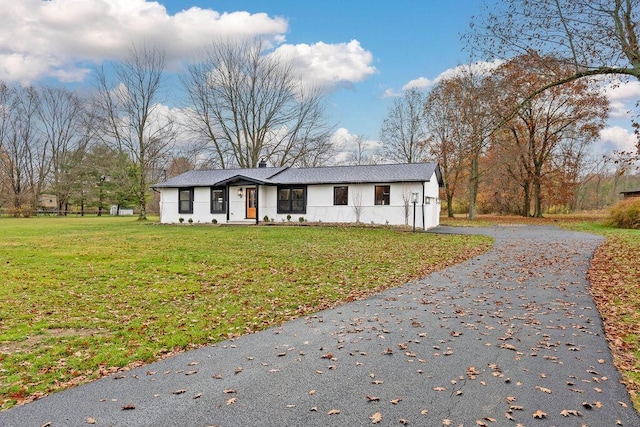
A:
[252,203]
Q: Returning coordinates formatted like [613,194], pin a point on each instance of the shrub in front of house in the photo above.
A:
[626,214]
[181,220]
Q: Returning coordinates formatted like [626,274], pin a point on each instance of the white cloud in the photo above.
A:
[619,138]
[48,38]
[329,65]
[419,83]
[479,68]
[346,145]
[622,97]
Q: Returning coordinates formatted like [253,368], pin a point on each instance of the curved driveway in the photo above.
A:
[511,336]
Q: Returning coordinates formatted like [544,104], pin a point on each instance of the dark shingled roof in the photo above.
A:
[412,172]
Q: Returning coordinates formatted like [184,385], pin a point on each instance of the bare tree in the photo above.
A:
[356,199]
[443,140]
[477,121]
[595,37]
[24,155]
[250,107]
[64,124]
[403,130]
[130,110]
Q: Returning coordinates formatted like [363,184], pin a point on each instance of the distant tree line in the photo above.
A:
[516,138]
[109,146]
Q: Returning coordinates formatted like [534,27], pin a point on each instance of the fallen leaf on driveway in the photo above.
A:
[543,389]
[508,347]
[376,418]
[539,414]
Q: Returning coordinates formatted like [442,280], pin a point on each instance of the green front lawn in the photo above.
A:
[84,297]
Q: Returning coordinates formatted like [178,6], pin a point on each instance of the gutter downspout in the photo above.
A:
[226,198]
[424,226]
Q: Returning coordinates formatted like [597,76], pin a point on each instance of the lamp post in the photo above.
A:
[414,200]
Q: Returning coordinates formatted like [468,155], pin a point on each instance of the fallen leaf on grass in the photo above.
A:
[376,418]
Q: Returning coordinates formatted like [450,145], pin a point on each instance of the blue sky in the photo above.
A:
[408,39]
[363,53]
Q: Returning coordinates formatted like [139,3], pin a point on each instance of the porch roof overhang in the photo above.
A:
[241,180]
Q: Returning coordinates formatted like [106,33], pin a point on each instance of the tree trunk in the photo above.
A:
[449,205]
[474,181]
[526,201]
[537,197]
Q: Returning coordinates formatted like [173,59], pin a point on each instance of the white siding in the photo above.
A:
[320,206]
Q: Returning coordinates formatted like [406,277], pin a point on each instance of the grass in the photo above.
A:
[85,297]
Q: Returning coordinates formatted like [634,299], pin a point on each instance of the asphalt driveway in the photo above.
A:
[509,337]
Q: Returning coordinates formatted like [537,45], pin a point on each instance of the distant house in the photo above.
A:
[379,194]
[120,210]
[48,202]
[630,193]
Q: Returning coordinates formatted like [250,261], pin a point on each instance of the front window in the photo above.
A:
[185,200]
[341,195]
[218,200]
[383,193]
[292,200]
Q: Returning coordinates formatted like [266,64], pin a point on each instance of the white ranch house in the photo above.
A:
[378,194]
